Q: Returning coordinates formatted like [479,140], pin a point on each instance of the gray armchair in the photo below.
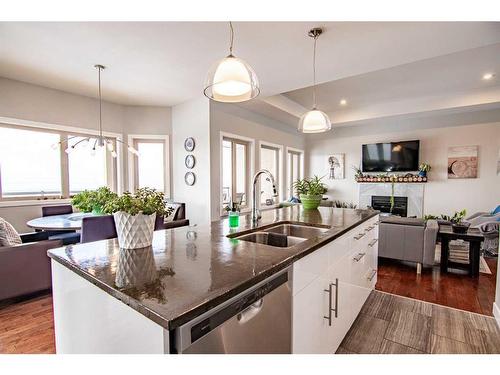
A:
[25,268]
[408,239]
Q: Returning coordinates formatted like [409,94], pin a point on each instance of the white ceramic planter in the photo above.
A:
[134,231]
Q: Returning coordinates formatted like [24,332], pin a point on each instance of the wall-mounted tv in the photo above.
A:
[391,157]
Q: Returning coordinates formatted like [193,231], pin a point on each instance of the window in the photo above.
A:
[33,164]
[294,170]
[150,164]
[235,171]
[270,160]
[29,165]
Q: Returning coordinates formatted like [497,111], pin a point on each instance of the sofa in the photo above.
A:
[408,239]
[25,268]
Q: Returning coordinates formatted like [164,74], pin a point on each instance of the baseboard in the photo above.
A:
[496,313]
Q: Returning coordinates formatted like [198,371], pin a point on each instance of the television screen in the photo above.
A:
[391,157]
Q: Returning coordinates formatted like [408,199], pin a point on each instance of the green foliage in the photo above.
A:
[424,167]
[458,216]
[145,200]
[93,200]
[340,204]
[357,171]
[430,217]
[312,186]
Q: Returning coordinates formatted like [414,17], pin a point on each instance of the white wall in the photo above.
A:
[238,121]
[192,119]
[36,103]
[442,196]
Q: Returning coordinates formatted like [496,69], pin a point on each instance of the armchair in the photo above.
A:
[490,233]
[25,268]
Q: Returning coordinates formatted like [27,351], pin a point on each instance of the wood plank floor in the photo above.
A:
[390,324]
[451,289]
[28,326]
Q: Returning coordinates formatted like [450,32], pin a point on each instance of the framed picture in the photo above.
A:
[337,162]
[189,144]
[462,162]
[190,161]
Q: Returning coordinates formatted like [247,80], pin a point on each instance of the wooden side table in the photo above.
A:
[473,237]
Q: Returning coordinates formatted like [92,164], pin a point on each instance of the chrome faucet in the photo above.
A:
[255,211]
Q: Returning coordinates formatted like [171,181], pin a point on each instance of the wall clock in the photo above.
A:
[190,178]
[189,144]
[190,161]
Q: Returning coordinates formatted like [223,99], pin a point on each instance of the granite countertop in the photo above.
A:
[189,270]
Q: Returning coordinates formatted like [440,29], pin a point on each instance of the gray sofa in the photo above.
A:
[408,239]
[25,268]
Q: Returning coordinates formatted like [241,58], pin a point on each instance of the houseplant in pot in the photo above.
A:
[423,169]
[310,192]
[135,216]
[93,200]
[457,223]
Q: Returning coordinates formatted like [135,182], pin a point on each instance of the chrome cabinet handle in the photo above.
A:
[330,308]
[359,236]
[358,257]
[372,275]
[373,242]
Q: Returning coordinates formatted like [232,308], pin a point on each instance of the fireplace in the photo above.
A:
[382,203]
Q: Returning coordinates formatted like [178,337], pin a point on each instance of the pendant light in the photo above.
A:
[100,140]
[231,80]
[314,121]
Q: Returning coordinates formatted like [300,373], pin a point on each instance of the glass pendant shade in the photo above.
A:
[314,121]
[231,80]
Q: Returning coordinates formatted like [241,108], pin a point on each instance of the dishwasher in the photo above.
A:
[257,321]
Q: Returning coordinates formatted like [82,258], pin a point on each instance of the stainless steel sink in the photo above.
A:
[271,239]
[281,235]
[295,230]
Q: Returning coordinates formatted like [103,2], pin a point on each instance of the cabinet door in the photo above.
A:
[311,333]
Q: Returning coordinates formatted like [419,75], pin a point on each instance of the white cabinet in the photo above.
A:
[330,286]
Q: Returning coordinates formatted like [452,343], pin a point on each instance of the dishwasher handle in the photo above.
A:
[250,312]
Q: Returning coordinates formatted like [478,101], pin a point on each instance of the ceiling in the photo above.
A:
[164,63]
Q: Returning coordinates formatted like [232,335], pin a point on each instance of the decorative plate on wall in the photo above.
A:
[190,178]
[190,161]
[189,144]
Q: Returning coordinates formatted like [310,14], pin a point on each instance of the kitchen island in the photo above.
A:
[111,300]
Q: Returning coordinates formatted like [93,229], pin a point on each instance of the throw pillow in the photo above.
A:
[496,210]
[8,235]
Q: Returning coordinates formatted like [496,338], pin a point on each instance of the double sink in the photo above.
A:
[282,235]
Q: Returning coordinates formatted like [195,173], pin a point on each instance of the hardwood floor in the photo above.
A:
[390,324]
[28,326]
[451,289]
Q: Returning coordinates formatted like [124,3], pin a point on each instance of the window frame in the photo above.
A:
[113,166]
[133,172]
[280,167]
[250,155]
[289,182]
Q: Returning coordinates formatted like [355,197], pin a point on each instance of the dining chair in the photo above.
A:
[96,228]
[68,237]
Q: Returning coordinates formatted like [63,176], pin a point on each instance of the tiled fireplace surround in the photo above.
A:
[414,192]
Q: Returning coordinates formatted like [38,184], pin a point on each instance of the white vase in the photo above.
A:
[134,231]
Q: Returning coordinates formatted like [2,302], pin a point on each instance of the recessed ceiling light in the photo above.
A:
[343,102]
[488,76]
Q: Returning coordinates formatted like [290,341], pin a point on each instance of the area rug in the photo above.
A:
[459,253]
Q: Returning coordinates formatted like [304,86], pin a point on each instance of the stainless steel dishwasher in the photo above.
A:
[255,321]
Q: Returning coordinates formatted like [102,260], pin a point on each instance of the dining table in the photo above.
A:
[69,222]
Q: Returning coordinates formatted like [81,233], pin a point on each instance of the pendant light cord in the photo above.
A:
[100,104]
[231,38]
[314,72]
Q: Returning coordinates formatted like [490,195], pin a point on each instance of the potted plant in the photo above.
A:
[457,223]
[358,174]
[93,200]
[310,192]
[135,216]
[423,168]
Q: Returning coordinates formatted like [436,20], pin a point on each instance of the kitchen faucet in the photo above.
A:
[255,211]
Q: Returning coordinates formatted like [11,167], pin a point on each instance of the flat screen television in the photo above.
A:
[391,157]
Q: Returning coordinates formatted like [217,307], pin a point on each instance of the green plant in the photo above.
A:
[147,201]
[357,171]
[340,204]
[312,186]
[430,217]
[93,200]
[424,167]
[458,217]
